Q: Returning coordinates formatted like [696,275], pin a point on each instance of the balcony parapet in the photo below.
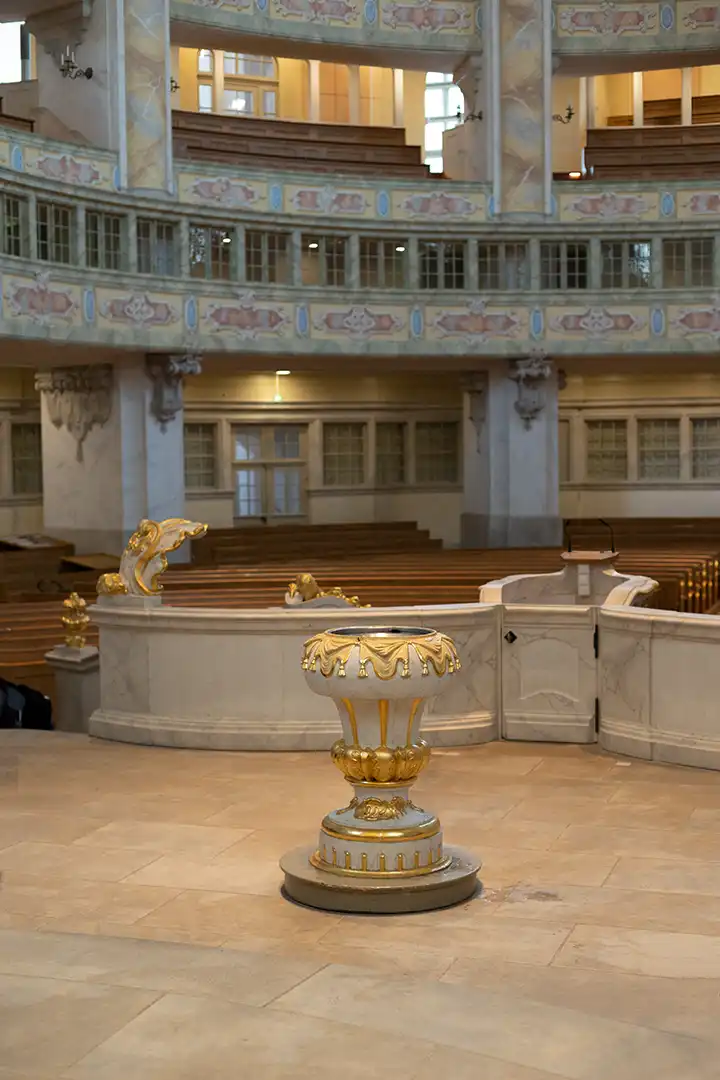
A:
[633,29]
[422,33]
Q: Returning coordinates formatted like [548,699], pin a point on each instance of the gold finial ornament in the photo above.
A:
[145,557]
[75,620]
[305,588]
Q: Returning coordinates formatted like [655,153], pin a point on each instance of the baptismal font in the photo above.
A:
[381,852]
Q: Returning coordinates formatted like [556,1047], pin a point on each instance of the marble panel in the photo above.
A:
[549,676]
[624,684]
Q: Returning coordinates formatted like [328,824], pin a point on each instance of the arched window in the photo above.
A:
[443,102]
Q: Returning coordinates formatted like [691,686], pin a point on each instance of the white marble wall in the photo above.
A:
[658,686]
[232,679]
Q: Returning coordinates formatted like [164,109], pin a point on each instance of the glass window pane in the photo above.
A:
[606,449]
[248,444]
[287,442]
[248,493]
[455,101]
[434,136]
[287,488]
[658,449]
[269,103]
[434,103]
[205,61]
[205,98]
[239,101]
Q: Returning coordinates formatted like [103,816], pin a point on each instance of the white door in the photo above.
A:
[549,673]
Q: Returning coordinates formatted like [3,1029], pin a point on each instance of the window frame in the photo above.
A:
[501,247]
[563,246]
[23,233]
[441,247]
[104,218]
[214,457]
[624,283]
[429,482]
[265,278]
[154,246]
[15,425]
[340,485]
[54,209]
[214,240]
[689,260]
[383,257]
[321,255]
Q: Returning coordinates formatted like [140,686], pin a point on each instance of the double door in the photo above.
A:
[270,473]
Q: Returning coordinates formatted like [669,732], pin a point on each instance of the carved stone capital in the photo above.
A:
[475,386]
[530,375]
[77,398]
[166,374]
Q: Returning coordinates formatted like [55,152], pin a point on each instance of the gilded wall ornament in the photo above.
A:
[145,557]
[78,399]
[166,374]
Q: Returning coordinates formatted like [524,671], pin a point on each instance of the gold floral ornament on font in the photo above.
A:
[75,620]
[333,650]
[145,557]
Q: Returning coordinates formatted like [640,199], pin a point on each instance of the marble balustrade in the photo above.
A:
[223,679]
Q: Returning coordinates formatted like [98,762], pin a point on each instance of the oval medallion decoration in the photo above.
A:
[89,305]
[383,203]
[657,321]
[536,323]
[116,177]
[191,313]
[370,12]
[667,17]
[302,320]
[416,322]
[262,5]
[667,204]
[16,159]
[276,197]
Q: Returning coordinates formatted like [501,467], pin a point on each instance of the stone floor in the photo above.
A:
[142,933]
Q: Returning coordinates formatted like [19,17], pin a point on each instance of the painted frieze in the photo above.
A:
[359,323]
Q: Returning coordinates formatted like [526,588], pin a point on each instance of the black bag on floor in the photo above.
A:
[23,707]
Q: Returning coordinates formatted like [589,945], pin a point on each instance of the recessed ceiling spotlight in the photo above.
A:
[313,246]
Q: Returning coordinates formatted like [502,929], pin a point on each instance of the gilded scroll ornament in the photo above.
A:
[380,809]
[145,557]
[305,588]
[381,764]
[75,620]
[330,651]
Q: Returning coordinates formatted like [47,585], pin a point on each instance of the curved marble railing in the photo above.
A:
[225,679]
[128,309]
[231,680]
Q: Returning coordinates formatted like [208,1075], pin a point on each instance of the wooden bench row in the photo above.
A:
[653,152]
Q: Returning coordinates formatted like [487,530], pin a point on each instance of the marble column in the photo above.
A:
[637,99]
[510,441]
[112,448]
[148,126]
[520,106]
[314,91]
[473,134]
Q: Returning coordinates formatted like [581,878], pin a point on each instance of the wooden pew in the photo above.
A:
[653,152]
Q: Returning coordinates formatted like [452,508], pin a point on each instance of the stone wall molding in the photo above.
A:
[77,398]
[166,374]
[530,374]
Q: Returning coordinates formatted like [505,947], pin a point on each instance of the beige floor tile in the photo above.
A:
[427,963]
[531,835]
[454,935]
[570,904]
[581,811]
[642,952]
[52,898]
[463,1065]
[71,861]
[674,876]
[502,867]
[185,1038]
[164,837]
[181,811]
[565,1042]
[681,1006]
[49,1024]
[235,914]
[666,843]
[243,875]
[51,828]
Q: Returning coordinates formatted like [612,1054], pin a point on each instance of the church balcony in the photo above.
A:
[280,264]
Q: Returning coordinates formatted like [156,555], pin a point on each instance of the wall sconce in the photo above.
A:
[174,86]
[70,70]
[468,116]
[569,113]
